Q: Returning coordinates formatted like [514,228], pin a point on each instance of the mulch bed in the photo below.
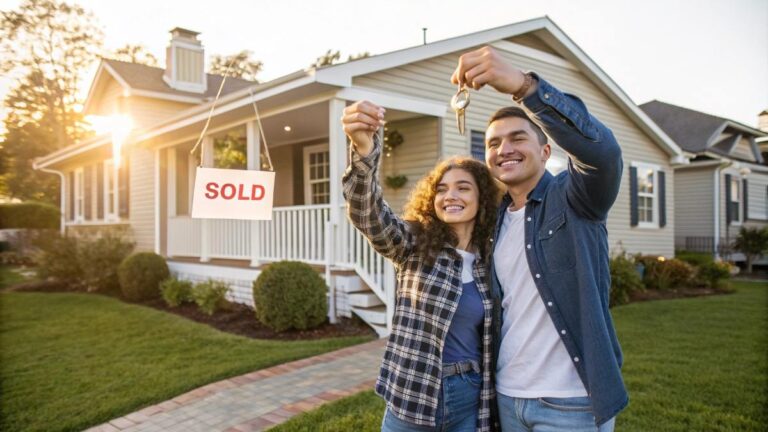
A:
[235,319]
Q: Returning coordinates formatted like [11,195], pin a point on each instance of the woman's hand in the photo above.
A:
[361,120]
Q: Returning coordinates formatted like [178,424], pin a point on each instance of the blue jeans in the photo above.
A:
[548,415]
[457,407]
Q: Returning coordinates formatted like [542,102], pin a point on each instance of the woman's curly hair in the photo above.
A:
[431,233]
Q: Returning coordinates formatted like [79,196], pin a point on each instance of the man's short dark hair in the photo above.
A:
[513,111]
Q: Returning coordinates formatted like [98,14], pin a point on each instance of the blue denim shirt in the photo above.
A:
[565,224]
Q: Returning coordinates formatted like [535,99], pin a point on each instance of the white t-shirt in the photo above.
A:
[533,361]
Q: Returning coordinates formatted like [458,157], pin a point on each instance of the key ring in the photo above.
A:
[460,100]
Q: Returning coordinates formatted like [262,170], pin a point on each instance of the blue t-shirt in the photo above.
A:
[463,341]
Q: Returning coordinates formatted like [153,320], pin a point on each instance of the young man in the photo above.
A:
[558,358]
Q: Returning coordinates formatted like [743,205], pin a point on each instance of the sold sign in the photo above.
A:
[233,194]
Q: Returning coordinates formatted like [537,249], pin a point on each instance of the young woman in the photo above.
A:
[436,372]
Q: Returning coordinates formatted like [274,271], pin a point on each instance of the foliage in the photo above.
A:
[176,292]
[396,181]
[663,274]
[330,57]
[141,274]
[753,243]
[210,296]
[358,56]
[239,65]
[99,258]
[29,215]
[57,258]
[134,54]
[15,259]
[69,362]
[696,259]
[714,274]
[624,279]
[229,151]
[290,295]
[46,46]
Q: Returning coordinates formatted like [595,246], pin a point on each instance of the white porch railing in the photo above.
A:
[294,233]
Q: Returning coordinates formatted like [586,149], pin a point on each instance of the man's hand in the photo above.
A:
[485,66]
[361,120]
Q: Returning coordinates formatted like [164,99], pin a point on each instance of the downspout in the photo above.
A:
[716,195]
[62,205]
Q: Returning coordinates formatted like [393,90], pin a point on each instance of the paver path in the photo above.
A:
[261,399]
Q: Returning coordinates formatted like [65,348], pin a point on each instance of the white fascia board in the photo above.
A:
[166,96]
[605,82]
[341,75]
[104,68]
[71,151]
[395,101]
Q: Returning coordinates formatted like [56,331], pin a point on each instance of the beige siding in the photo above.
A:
[142,198]
[413,159]
[109,102]
[757,189]
[282,160]
[147,111]
[743,150]
[694,202]
[190,65]
[429,79]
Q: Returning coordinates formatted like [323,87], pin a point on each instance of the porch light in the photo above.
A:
[287,128]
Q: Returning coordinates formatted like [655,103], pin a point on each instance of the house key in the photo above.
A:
[459,103]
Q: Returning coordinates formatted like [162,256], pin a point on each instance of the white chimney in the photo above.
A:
[762,121]
[185,62]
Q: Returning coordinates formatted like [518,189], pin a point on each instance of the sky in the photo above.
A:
[707,55]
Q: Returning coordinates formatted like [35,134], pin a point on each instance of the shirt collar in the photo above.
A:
[537,194]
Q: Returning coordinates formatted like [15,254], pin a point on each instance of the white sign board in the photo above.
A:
[233,194]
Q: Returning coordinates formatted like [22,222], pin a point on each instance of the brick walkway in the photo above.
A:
[261,399]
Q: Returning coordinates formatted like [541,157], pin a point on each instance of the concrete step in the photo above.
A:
[380,330]
[364,299]
[372,315]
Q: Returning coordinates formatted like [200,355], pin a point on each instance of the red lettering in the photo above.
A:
[232,191]
[212,193]
[240,190]
[257,192]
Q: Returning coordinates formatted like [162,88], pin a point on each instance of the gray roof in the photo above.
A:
[142,77]
[693,131]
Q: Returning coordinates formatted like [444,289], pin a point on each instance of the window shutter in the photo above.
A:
[728,215]
[662,200]
[745,197]
[633,216]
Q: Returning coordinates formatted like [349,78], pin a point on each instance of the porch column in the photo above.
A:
[337,150]
[205,242]
[253,150]
[172,168]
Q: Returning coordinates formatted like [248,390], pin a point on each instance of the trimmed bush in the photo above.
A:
[715,275]
[33,215]
[176,292]
[100,258]
[663,274]
[57,258]
[290,295]
[624,279]
[141,274]
[210,296]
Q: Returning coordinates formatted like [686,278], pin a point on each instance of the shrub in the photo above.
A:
[140,275]
[29,215]
[288,295]
[100,258]
[57,258]
[696,259]
[176,292]
[715,274]
[752,242]
[624,279]
[210,296]
[16,259]
[663,274]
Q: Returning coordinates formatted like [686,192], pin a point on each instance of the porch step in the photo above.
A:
[380,330]
[364,299]
[373,315]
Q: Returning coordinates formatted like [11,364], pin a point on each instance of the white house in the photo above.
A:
[150,192]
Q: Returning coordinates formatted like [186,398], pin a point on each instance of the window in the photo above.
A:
[110,190]
[79,199]
[646,195]
[735,203]
[477,145]
[71,201]
[317,167]
[88,192]
[100,191]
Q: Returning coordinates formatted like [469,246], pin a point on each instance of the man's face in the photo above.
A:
[513,152]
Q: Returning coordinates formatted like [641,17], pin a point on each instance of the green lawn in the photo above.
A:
[71,361]
[12,276]
[690,365]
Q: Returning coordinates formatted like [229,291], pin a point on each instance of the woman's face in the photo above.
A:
[457,197]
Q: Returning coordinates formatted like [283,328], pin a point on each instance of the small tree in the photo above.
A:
[752,242]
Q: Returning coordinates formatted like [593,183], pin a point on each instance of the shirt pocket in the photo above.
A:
[557,245]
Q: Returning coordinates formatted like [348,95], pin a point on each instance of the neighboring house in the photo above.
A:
[724,188]
[300,112]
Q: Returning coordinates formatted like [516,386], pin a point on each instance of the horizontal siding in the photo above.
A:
[142,198]
[757,189]
[413,159]
[429,79]
[743,150]
[148,111]
[108,104]
[694,202]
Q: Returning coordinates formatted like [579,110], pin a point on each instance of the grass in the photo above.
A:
[71,361]
[12,276]
[690,365]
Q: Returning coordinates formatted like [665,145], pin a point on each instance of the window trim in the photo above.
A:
[109,168]
[739,200]
[79,203]
[642,166]
[317,148]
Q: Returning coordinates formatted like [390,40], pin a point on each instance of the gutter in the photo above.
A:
[62,206]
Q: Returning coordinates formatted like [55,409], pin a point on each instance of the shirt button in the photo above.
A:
[529,219]
[562,331]
[576,359]
[546,95]
[528,246]
[549,304]
[538,276]
[550,232]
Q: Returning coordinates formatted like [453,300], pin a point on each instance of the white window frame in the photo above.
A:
[641,167]
[79,195]
[307,182]
[738,199]
[110,195]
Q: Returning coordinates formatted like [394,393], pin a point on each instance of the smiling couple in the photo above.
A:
[501,312]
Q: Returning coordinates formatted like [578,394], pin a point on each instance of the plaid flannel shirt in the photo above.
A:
[426,299]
